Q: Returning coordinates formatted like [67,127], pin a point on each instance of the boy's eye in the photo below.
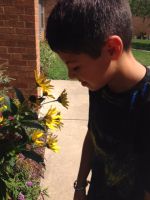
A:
[76,68]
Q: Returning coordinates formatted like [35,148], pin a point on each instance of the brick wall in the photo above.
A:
[48,5]
[19,43]
[141,25]
[138,23]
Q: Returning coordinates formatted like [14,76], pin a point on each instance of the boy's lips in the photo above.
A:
[84,83]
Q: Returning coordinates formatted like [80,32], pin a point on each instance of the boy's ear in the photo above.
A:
[114,47]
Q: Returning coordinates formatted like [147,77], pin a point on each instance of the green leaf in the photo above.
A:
[25,137]
[30,116]
[13,107]
[2,190]
[19,95]
[6,113]
[140,8]
[7,100]
[33,155]
[32,124]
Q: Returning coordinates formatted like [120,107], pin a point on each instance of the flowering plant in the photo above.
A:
[22,135]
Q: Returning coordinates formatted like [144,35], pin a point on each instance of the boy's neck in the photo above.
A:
[127,74]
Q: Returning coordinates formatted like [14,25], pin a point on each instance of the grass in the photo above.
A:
[55,69]
[142,56]
[51,64]
[141,44]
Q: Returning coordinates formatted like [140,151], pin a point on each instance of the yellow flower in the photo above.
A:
[1,98]
[63,99]
[52,143]
[1,118]
[37,134]
[44,83]
[39,143]
[53,119]
[16,102]
[4,107]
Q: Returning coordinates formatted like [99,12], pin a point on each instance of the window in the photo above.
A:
[41,17]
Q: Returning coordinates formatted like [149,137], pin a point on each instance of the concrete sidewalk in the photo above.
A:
[62,168]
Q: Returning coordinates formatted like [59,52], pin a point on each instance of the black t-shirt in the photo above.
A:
[119,124]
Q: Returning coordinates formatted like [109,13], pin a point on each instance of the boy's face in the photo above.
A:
[93,73]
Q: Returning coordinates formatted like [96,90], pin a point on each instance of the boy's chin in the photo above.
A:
[90,87]
[93,89]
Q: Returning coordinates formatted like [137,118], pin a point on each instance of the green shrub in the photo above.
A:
[141,44]
[51,64]
[24,134]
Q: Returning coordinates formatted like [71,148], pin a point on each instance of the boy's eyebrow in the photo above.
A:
[68,62]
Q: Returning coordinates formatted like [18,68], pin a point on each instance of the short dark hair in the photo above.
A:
[84,25]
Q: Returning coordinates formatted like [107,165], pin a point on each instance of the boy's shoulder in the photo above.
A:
[141,95]
[134,98]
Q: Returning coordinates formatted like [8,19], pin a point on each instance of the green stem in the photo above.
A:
[48,102]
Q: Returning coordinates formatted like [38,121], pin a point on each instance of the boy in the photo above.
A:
[93,38]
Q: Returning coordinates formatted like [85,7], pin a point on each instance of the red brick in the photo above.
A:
[3,17]
[31,51]
[14,23]
[19,40]
[12,17]
[3,36]
[4,56]
[32,74]
[19,31]
[20,84]
[2,23]
[29,11]
[141,25]
[18,62]
[7,43]
[21,69]
[29,57]
[16,37]
[25,44]
[27,31]
[3,43]
[29,24]
[1,9]
[20,9]
[32,84]
[25,3]
[17,71]
[7,2]
[2,62]
[27,18]
[16,56]
[7,30]
[31,63]
[3,50]
[22,44]
[9,10]
[31,38]
[14,10]
[48,5]
[16,50]
[8,17]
